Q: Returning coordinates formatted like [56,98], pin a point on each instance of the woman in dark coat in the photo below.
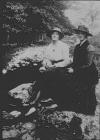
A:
[85,75]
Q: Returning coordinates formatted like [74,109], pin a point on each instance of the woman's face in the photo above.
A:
[81,36]
[55,36]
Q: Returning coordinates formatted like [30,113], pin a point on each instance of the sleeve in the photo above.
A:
[66,54]
[91,50]
[72,64]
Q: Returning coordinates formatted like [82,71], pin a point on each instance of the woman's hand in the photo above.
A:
[70,70]
[46,63]
[42,69]
[50,68]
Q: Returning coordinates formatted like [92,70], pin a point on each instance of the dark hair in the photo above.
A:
[61,35]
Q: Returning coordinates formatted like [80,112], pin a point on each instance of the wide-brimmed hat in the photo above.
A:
[56,29]
[82,29]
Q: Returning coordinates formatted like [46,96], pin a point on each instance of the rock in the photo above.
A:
[48,104]
[10,134]
[22,92]
[31,110]
[29,126]
[15,113]
[7,116]
[54,106]
[25,92]
[5,134]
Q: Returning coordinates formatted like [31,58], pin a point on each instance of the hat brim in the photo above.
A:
[52,31]
[56,31]
[77,31]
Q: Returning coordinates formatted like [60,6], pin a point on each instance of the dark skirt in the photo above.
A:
[72,92]
[85,80]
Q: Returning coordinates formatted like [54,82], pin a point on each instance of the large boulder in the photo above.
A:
[27,92]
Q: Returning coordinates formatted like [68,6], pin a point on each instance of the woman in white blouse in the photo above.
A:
[54,79]
[57,52]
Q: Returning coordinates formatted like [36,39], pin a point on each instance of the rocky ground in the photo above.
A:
[57,125]
[46,122]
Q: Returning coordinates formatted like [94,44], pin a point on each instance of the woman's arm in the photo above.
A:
[71,65]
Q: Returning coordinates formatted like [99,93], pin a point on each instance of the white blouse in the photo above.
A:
[57,52]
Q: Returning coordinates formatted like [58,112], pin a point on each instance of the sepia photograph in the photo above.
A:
[50,69]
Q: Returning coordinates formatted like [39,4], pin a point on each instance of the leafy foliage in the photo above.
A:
[95,40]
[26,18]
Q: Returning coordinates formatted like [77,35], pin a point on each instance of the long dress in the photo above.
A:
[56,84]
[85,78]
